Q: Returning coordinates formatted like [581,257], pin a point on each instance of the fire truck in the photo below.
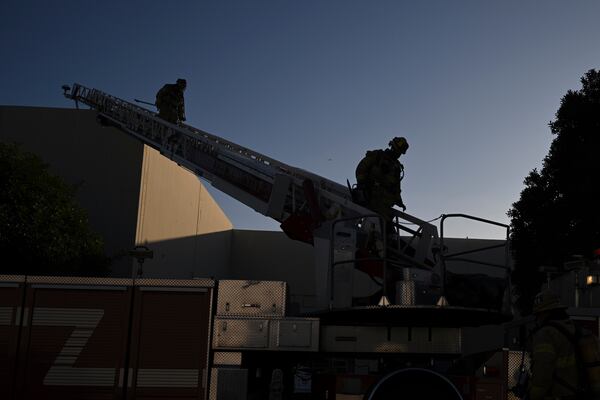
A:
[388,320]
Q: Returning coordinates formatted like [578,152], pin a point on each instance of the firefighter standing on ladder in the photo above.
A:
[170,103]
[378,177]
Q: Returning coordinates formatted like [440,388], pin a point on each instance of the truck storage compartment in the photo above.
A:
[252,298]
[74,338]
[241,333]
[295,334]
[11,312]
[169,346]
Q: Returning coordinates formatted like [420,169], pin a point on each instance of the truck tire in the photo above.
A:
[413,384]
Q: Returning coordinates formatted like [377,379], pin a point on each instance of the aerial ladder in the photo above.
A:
[302,201]
[310,208]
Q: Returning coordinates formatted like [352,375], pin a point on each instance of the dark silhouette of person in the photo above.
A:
[378,177]
[170,103]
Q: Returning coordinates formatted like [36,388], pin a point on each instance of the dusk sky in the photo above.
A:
[472,85]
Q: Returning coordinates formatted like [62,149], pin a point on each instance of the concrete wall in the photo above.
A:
[178,219]
[132,194]
[273,256]
[203,256]
[173,203]
[105,163]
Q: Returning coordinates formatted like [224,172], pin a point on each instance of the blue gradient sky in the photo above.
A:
[471,84]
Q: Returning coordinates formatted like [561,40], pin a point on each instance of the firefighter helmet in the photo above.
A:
[399,144]
[547,300]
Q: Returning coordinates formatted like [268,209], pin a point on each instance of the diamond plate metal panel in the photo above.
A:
[202,283]
[405,293]
[12,278]
[240,333]
[251,298]
[514,369]
[227,358]
[78,280]
[295,334]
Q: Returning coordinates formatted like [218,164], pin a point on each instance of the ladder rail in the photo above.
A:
[106,103]
[256,180]
[146,126]
[240,172]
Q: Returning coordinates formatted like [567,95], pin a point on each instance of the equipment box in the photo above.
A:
[295,334]
[251,298]
[241,333]
[281,334]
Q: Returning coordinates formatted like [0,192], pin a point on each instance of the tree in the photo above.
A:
[558,215]
[42,229]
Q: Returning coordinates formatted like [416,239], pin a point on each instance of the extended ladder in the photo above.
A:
[270,187]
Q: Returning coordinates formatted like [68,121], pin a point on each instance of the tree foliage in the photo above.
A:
[558,214]
[42,229]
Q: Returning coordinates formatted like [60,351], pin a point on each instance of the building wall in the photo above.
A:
[273,256]
[132,194]
[103,162]
[179,220]
[173,203]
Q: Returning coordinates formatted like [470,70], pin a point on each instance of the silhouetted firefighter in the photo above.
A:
[378,177]
[170,103]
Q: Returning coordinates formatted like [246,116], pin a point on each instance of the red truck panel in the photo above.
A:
[102,338]
[11,297]
[74,343]
[169,353]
